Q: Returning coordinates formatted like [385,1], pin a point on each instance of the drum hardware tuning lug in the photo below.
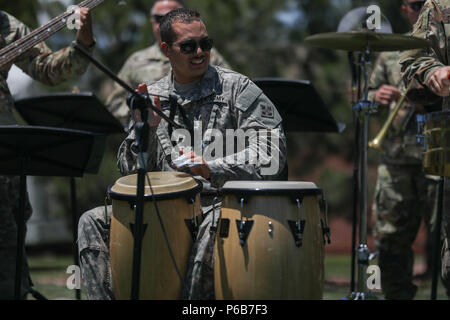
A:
[244,227]
[421,139]
[241,199]
[214,226]
[363,255]
[325,232]
[297,199]
[224,228]
[270,228]
[373,255]
[132,205]
[297,228]
[190,200]
[192,225]
[366,105]
[325,228]
[144,228]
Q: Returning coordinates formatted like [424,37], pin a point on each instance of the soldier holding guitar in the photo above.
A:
[24,48]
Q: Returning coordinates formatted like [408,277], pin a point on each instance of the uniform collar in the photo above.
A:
[206,87]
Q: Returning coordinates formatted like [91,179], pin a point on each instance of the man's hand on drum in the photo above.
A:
[202,169]
[386,94]
[439,82]
[153,118]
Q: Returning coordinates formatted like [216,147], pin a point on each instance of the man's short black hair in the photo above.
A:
[183,15]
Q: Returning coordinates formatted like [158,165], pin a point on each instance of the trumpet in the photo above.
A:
[377,142]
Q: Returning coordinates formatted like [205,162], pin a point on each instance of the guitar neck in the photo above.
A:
[9,53]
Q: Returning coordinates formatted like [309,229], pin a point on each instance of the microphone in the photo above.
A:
[138,101]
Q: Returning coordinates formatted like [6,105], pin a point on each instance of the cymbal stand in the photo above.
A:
[355,96]
[364,108]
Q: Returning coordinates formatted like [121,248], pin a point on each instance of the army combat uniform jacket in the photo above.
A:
[223,99]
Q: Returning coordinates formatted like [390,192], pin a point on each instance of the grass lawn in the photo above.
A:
[48,273]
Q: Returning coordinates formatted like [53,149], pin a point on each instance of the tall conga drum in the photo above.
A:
[436,133]
[270,241]
[177,198]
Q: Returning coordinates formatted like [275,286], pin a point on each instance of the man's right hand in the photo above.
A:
[386,94]
[439,82]
[153,118]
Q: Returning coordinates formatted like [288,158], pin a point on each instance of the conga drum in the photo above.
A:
[436,133]
[269,242]
[178,202]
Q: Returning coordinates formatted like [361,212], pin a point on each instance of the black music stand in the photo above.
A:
[79,111]
[43,151]
[299,105]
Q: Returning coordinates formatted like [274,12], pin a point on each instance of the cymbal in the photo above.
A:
[359,41]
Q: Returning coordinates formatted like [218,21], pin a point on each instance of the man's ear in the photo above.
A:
[404,10]
[165,48]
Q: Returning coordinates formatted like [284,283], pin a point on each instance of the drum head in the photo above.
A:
[270,187]
[165,185]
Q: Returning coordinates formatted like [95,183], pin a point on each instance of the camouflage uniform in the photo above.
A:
[221,100]
[403,194]
[49,68]
[145,66]
[418,65]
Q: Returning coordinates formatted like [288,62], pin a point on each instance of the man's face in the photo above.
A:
[160,8]
[411,9]
[188,67]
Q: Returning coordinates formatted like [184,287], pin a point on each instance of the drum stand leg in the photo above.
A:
[356,92]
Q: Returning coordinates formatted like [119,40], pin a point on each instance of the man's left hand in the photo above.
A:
[202,169]
[85,33]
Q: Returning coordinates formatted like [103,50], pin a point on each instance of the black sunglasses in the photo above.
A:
[190,46]
[416,6]
[158,17]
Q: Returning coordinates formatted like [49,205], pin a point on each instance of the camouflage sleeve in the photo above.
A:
[49,67]
[265,155]
[419,64]
[378,77]
[116,101]
[128,152]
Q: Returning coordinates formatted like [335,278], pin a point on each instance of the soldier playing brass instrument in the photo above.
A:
[404,195]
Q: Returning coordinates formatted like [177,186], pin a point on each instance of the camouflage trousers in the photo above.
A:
[9,209]
[93,247]
[403,197]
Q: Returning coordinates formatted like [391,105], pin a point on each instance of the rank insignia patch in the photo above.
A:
[267,111]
